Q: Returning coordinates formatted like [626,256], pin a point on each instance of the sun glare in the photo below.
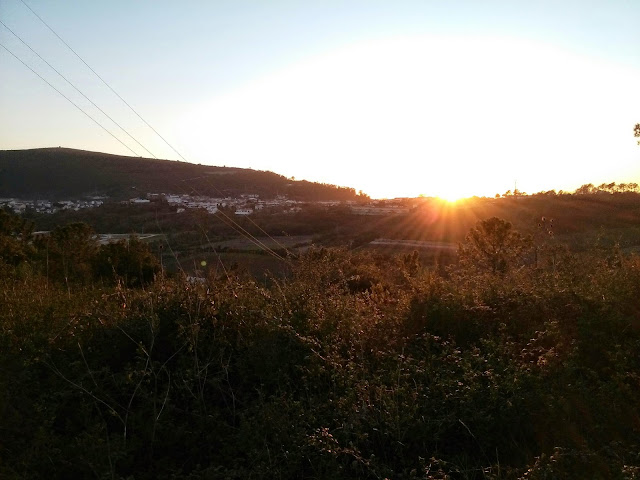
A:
[450,198]
[401,116]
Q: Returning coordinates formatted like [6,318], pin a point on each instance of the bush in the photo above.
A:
[353,366]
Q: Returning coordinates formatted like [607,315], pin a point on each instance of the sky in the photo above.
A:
[395,98]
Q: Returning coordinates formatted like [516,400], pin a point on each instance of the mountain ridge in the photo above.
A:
[60,172]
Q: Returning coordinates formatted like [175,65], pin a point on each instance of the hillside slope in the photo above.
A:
[59,173]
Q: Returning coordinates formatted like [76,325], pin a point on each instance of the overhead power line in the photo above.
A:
[274,240]
[243,232]
[70,101]
[230,221]
[77,89]
[102,80]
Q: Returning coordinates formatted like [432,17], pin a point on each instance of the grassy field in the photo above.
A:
[260,242]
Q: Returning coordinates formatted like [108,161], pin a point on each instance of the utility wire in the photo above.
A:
[253,239]
[76,88]
[234,224]
[102,80]
[239,229]
[209,243]
[70,101]
[217,255]
[274,240]
[166,240]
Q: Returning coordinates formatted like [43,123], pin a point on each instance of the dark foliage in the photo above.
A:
[15,239]
[353,366]
[129,261]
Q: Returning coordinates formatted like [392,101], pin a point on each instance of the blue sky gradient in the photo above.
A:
[431,88]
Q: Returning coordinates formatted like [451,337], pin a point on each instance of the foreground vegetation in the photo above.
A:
[519,361]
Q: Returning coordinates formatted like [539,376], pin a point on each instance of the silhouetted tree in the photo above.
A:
[130,260]
[493,245]
[15,238]
[586,189]
[70,250]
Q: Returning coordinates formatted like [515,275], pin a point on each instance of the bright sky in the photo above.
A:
[397,98]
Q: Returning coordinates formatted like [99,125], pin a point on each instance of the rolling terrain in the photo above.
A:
[63,173]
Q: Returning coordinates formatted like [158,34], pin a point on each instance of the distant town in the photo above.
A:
[245,204]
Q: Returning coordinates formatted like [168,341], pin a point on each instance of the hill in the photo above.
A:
[63,173]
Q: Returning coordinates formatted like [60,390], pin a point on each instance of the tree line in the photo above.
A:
[71,253]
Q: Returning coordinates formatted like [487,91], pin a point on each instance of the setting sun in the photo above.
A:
[451,198]
[397,117]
